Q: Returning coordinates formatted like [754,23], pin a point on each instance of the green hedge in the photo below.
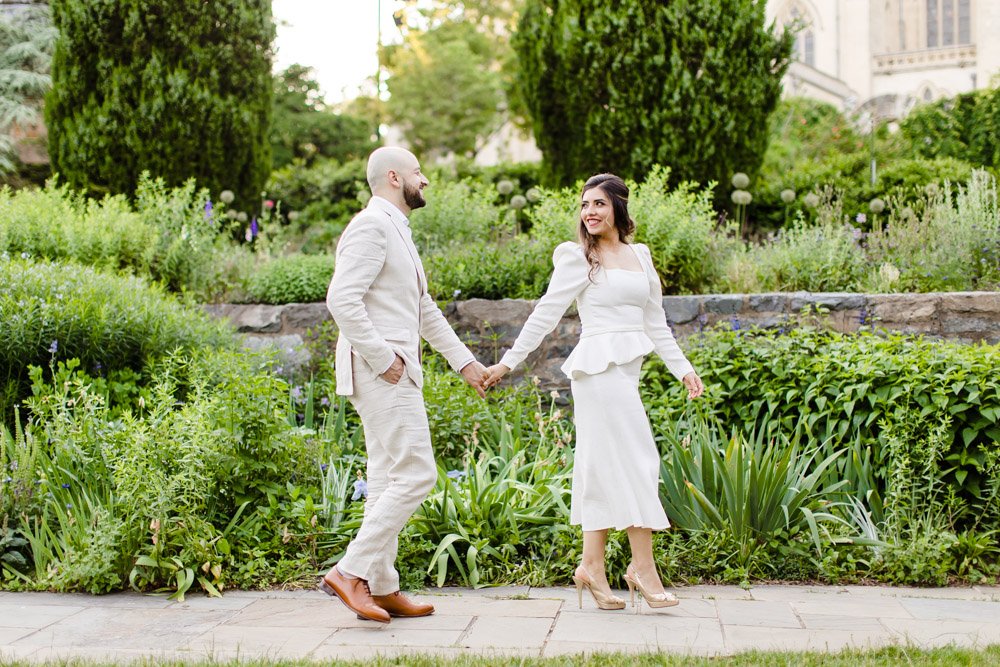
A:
[169,235]
[292,279]
[849,387]
[51,311]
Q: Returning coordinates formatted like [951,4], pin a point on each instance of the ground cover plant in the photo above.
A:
[815,456]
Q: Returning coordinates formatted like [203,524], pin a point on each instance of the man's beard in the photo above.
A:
[413,197]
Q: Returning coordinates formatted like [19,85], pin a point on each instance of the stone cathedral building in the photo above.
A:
[884,56]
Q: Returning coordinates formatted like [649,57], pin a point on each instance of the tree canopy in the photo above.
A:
[181,89]
[303,127]
[626,85]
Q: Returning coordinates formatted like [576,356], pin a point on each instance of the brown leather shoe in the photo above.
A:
[353,593]
[401,606]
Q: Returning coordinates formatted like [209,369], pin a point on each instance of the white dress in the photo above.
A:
[617,467]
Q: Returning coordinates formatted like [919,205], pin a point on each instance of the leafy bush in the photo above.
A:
[518,268]
[458,213]
[679,227]
[324,194]
[167,235]
[162,490]
[853,388]
[292,279]
[821,257]
[953,245]
[179,96]
[54,311]
[965,127]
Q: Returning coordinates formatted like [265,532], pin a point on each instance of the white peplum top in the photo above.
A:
[621,313]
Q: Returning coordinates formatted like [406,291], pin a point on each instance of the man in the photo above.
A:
[378,298]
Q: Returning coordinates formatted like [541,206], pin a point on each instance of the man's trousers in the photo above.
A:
[401,472]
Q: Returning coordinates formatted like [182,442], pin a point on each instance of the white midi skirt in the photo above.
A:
[616,470]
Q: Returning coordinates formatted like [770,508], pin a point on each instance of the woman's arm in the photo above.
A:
[570,277]
[655,322]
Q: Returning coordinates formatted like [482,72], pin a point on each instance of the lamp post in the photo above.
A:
[378,76]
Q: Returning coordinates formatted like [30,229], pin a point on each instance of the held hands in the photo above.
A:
[495,373]
[476,375]
[693,384]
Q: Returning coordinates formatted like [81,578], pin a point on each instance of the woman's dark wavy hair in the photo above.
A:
[616,190]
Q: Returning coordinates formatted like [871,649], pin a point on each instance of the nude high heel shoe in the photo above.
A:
[582,579]
[654,600]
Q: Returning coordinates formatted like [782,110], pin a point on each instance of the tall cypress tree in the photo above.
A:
[621,86]
[181,88]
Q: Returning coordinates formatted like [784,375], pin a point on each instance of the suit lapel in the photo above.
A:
[404,232]
[403,229]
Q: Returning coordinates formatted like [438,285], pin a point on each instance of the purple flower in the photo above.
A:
[735,323]
[54,347]
[360,489]
[325,402]
[457,475]
[208,209]
[65,486]
[323,466]
[861,217]
[254,227]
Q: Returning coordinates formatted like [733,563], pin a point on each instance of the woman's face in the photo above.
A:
[596,213]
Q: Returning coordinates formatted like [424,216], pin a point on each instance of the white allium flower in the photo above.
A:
[741,197]
[740,180]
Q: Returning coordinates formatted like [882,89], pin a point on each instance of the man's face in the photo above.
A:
[413,184]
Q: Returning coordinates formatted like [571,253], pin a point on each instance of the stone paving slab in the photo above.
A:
[513,621]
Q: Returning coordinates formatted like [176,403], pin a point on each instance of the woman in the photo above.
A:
[616,472]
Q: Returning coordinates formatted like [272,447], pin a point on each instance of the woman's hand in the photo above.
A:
[495,373]
[694,386]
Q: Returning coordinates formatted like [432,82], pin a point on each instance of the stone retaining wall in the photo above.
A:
[491,326]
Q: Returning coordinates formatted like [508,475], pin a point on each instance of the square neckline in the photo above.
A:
[642,269]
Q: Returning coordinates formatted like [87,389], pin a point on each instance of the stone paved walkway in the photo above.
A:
[711,620]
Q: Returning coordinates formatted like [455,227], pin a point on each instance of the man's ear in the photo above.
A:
[393,177]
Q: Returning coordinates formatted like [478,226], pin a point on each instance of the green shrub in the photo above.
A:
[953,244]
[458,213]
[181,96]
[901,183]
[518,268]
[322,193]
[156,498]
[52,311]
[965,127]
[292,279]
[853,387]
[821,257]
[167,235]
[679,227]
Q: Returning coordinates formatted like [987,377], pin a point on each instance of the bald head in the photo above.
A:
[394,174]
[386,159]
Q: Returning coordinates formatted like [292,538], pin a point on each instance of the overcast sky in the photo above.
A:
[338,38]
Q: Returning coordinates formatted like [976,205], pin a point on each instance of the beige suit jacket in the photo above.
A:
[378,298]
